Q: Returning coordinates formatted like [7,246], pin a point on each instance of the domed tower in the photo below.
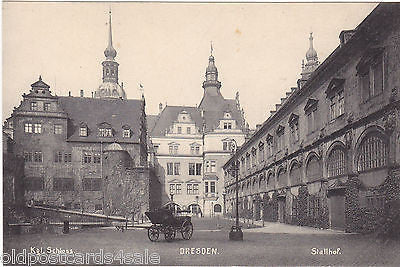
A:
[211,84]
[110,87]
[312,61]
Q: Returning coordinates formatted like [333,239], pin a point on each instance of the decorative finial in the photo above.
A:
[40,77]
[110,52]
[212,49]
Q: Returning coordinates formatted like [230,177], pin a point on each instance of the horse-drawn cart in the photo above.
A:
[165,222]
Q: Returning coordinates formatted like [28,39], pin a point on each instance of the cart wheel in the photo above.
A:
[153,233]
[187,230]
[169,233]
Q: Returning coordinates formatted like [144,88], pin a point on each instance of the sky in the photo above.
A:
[258,48]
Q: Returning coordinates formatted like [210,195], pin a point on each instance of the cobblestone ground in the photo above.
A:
[260,246]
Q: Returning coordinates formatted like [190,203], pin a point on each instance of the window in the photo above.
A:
[172,188]
[34,183]
[67,157]
[372,153]
[210,166]
[46,106]
[156,148]
[177,167]
[280,140]
[336,162]
[195,189]
[313,170]
[173,149]
[227,125]
[198,168]
[83,131]
[57,129]
[295,174]
[58,157]
[178,189]
[87,157]
[336,105]
[226,145]
[105,132]
[370,71]
[194,150]
[311,127]
[269,141]
[126,133]
[96,158]
[28,156]
[63,184]
[188,130]
[192,167]
[179,130]
[189,189]
[197,148]
[170,168]
[206,187]
[261,152]
[37,128]
[37,156]
[212,187]
[34,106]
[91,184]
[248,161]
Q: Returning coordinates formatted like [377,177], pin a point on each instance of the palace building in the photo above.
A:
[86,153]
[192,144]
[329,155]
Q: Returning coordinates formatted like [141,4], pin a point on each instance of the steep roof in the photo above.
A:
[170,114]
[151,122]
[213,116]
[95,111]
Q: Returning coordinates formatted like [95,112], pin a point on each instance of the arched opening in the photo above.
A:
[217,208]
[313,170]
[336,163]
[295,174]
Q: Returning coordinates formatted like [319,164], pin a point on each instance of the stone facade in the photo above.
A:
[330,152]
[65,142]
[196,140]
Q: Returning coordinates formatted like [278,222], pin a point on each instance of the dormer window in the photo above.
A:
[227,125]
[83,130]
[105,132]
[370,70]
[34,106]
[335,94]
[126,131]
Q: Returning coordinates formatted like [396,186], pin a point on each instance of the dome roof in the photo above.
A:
[110,89]
[311,53]
[110,52]
[211,66]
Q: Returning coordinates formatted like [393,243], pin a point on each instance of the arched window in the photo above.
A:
[217,208]
[270,181]
[295,174]
[282,181]
[372,153]
[313,170]
[336,162]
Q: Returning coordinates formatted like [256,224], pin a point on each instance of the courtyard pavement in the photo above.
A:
[275,244]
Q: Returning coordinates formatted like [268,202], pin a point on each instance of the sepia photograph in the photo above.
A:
[200,133]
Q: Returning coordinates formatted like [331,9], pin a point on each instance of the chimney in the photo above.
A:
[160,108]
[258,126]
[81,93]
[92,95]
[69,93]
[345,36]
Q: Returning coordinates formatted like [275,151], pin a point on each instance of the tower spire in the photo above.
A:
[312,60]
[110,52]
[211,49]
